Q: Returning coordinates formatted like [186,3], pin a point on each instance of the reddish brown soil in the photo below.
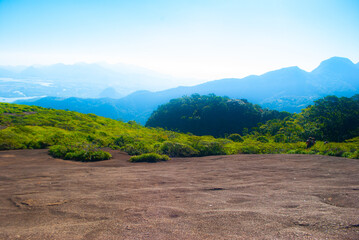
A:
[217,197]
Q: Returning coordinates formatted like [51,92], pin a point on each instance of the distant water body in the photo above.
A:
[34,81]
[11,100]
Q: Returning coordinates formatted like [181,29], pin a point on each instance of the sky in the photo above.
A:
[199,39]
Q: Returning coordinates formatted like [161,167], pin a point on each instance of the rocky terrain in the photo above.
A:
[216,197]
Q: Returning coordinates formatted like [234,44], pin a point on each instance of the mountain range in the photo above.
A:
[80,80]
[288,89]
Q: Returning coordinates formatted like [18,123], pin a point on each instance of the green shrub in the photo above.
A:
[10,140]
[353,140]
[279,138]
[355,155]
[131,149]
[295,151]
[78,153]
[262,139]
[173,149]
[101,155]
[58,151]
[335,153]
[235,137]
[249,149]
[121,141]
[39,144]
[136,148]
[207,148]
[84,156]
[149,157]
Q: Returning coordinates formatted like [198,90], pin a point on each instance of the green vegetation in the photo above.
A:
[235,137]
[76,136]
[83,153]
[149,157]
[211,115]
[175,149]
[329,119]
[80,136]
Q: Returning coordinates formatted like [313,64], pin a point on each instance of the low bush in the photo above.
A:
[279,138]
[37,144]
[295,151]
[262,139]
[355,155]
[122,140]
[58,151]
[78,153]
[10,140]
[84,156]
[208,148]
[347,154]
[149,157]
[249,149]
[136,148]
[235,137]
[173,149]
[337,153]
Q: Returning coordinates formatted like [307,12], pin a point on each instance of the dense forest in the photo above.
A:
[329,119]
[211,115]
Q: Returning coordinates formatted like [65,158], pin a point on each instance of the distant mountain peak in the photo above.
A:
[338,60]
[110,92]
[293,69]
[334,64]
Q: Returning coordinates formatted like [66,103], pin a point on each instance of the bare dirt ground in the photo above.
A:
[217,197]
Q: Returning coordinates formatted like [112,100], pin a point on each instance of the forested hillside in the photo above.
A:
[329,119]
[211,115]
[84,137]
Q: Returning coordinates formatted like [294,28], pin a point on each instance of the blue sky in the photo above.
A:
[204,39]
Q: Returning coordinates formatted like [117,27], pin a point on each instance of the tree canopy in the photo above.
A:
[211,115]
[330,119]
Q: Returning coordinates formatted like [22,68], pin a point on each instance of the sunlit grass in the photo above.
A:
[44,128]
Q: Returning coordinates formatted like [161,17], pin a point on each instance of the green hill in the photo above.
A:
[70,134]
[330,118]
[29,127]
[211,115]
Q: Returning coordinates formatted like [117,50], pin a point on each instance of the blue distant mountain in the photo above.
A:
[79,80]
[288,89]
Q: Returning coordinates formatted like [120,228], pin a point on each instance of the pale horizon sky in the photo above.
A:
[202,39]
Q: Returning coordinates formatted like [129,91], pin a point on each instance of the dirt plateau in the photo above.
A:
[216,197]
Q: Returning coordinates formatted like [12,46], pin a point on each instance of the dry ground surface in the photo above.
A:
[217,197]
